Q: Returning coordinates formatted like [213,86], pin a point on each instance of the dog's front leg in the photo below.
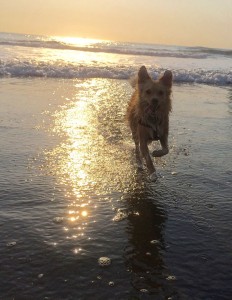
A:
[138,155]
[164,145]
[135,136]
[145,153]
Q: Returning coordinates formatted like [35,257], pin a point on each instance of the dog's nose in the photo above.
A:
[155,101]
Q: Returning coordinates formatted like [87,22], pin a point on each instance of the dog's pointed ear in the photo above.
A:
[143,75]
[166,79]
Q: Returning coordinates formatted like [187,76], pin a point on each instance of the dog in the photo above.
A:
[148,116]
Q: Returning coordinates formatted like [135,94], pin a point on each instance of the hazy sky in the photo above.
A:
[178,22]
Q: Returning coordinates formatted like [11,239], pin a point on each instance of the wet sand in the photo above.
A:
[71,193]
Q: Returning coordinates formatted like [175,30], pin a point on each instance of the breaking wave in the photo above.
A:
[56,70]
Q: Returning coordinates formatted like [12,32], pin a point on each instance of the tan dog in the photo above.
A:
[148,116]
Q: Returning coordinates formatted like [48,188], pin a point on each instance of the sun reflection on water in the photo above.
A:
[73,53]
[77,41]
[87,161]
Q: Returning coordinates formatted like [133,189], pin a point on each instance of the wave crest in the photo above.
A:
[53,70]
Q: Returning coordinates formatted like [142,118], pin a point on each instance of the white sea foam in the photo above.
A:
[51,70]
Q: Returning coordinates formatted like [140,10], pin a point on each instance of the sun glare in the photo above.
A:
[84,213]
[77,41]
[84,162]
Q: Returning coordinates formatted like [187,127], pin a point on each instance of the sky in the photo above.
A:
[174,22]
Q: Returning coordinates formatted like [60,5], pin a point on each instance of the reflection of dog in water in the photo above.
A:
[148,115]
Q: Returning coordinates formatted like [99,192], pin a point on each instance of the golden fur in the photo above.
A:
[148,115]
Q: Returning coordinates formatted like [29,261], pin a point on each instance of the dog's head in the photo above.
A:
[155,93]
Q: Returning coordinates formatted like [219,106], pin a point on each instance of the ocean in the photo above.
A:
[70,189]
[54,57]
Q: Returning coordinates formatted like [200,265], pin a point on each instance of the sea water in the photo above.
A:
[70,190]
[57,57]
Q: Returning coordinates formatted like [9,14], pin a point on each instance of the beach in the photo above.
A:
[71,191]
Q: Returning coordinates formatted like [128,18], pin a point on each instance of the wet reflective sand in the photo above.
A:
[71,193]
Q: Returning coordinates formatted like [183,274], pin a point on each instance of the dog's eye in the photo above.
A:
[148,92]
[160,93]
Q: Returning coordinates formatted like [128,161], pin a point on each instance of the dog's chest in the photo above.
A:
[153,130]
[155,123]
[155,133]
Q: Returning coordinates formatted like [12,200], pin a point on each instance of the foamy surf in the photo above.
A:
[61,70]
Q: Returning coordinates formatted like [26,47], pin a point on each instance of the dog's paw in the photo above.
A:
[159,153]
[153,176]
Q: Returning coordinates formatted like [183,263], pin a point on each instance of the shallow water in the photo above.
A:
[71,193]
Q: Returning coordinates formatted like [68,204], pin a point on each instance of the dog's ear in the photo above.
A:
[143,75]
[166,79]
